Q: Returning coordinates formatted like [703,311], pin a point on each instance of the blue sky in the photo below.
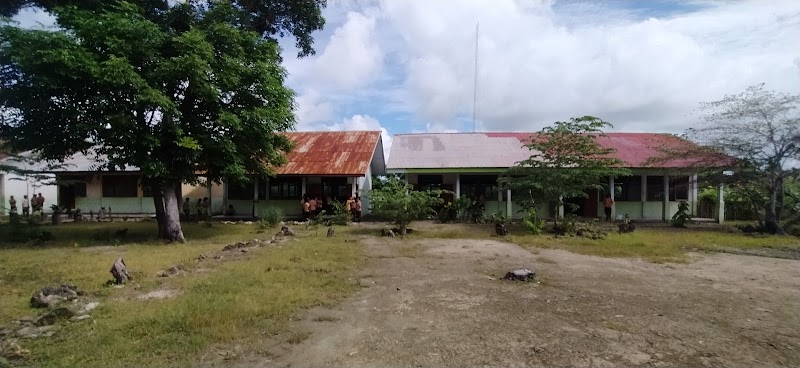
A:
[407,66]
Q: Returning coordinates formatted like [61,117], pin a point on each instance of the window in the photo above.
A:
[120,186]
[679,188]
[655,188]
[474,186]
[627,189]
[429,182]
[336,188]
[242,190]
[285,188]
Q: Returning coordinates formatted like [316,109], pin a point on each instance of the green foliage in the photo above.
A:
[340,215]
[568,226]
[462,206]
[498,218]
[626,226]
[173,88]
[681,217]
[398,202]
[566,161]
[533,223]
[757,130]
[270,217]
[447,212]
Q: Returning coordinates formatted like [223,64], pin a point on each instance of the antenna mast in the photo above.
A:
[475,91]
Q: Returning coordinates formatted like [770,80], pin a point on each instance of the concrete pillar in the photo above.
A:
[721,203]
[643,194]
[210,200]
[509,204]
[612,191]
[560,207]
[255,194]
[304,184]
[693,193]
[224,196]
[458,186]
[665,215]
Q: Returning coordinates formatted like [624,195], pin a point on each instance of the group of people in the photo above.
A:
[201,208]
[35,203]
[313,206]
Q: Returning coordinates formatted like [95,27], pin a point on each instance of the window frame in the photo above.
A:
[284,188]
[112,188]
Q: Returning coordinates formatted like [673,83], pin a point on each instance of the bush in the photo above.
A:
[340,216]
[626,226]
[566,226]
[270,217]
[447,212]
[681,218]
[532,221]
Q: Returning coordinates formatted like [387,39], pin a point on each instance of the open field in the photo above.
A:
[217,303]
[431,299]
[444,305]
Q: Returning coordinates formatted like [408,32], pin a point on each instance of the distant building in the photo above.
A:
[328,164]
[469,164]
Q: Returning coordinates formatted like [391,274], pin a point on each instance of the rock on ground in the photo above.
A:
[52,295]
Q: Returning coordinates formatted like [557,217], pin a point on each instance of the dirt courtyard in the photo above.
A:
[440,303]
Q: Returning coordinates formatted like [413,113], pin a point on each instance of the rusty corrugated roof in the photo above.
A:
[346,153]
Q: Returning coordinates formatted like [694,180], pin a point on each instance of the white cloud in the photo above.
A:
[642,74]
[355,122]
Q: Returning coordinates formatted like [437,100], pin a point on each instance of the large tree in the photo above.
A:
[761,129]
[176,89]
[566,161]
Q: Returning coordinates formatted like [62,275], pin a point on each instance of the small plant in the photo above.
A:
[567,226]
[682,217]
[498,218]
[447,212]
[340,215]
[461,206]
[532,221]
[626,226]
[270,217]
[56,216]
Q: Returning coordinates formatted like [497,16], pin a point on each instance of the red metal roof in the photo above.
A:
[636,149]
[346,153]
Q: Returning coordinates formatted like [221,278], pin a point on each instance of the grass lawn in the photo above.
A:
[652,242]
[221,303]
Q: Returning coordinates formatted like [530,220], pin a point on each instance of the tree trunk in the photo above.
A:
[779,201]
[172,219]
[158,201]
[770,217]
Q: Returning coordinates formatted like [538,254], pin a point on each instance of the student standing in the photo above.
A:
[358,209]
[26,210]
[12,203]
[608,202]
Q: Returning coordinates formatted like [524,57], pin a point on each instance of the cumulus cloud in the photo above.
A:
[534,68]
[355,122]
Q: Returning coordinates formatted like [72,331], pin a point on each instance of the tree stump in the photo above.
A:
[330,232]
[500,229]
[120,272]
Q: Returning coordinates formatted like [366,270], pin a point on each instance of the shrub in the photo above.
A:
[682,217]
[270,217]
[532,221]
[447,212]
[626,226]
[340,216]
[566,226]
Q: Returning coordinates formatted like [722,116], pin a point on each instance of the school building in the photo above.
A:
[328,164]
[470,164]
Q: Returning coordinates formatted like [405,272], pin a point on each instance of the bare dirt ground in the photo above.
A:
[440,303]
